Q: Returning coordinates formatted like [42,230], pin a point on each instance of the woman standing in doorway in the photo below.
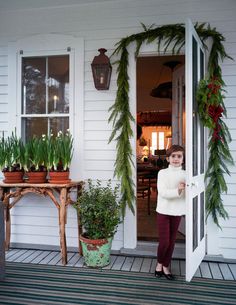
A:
[170,208]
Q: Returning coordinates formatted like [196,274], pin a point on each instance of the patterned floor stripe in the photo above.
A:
[45,284]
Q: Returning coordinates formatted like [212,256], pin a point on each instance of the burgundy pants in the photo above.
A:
[167,227]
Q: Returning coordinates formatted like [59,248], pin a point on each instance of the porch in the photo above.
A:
[37,277]
[129,263]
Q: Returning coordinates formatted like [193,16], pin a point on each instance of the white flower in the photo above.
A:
[59,133]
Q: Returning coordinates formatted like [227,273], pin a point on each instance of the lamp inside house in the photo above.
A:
[164,90]
[101,69]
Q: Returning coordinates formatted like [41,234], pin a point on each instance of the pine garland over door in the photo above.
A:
[211,108]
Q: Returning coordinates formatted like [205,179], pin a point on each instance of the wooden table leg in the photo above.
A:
[7,217]
[2,239]
[62,222]
[79,223]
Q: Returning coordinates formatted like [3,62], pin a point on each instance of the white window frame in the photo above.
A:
[49,45]
[71,85]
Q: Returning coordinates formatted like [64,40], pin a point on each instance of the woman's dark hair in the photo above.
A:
[174,148]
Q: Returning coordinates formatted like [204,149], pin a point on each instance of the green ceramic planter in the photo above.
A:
[96,252]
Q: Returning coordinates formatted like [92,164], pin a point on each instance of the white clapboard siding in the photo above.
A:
[97,124]
[101,106]
[3,80]
[3,60]
[227,242]
[228,223]
[230,102]
[100,155]
[232,177]
[230,80]
[228,69]
[227,232]
[112,21]
[101,174]
[101,115]
[231,189]
[35,229]
[231,91]
[40,240]
[99,145]
[232,145]
[3,108]
[3,90]
[233,133]
[3,99]
[97,135]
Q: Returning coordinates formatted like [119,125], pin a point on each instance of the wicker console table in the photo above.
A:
[18,190]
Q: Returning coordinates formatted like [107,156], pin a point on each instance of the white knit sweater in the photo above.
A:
[169,202]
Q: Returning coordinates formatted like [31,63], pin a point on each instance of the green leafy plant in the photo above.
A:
[211,109]
[35,156]
[11,153]
[121,117]
[60,151]
[99,210]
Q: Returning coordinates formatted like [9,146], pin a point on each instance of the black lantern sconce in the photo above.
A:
[101,69]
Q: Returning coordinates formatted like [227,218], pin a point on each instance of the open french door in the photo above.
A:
[195,155]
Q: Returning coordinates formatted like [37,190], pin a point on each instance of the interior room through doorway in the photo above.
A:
[160,121]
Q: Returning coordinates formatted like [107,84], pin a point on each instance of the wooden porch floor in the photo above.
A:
[211,270]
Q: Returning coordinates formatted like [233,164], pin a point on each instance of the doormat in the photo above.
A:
[45,284]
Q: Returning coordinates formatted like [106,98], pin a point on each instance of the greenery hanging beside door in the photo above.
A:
[211,107]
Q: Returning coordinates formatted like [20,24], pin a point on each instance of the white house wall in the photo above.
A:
[102,24]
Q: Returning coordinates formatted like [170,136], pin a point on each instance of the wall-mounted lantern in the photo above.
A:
[101,69]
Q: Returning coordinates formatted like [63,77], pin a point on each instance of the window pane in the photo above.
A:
[195,222]
[58,124]
[195,116]
[38,126]
[161,140]
[202,136]
[45,84]
[154,142]
[33,85]
[58,84]
[34,127]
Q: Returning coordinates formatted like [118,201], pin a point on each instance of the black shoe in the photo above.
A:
[158,273]
[169,276]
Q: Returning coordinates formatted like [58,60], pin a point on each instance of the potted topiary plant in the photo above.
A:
[100,213]
[11,158]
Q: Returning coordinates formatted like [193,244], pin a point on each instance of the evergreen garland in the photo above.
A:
[211,108]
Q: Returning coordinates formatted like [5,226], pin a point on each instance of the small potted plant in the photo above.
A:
[60,153]
[11,158]
[35,159]
[100,213]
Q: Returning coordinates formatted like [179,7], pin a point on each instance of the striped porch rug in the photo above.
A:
[45,284]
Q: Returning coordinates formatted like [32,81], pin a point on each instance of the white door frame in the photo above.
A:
[130,220]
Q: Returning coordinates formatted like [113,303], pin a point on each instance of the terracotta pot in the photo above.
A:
[13,177]
[59,177]
[36,177]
